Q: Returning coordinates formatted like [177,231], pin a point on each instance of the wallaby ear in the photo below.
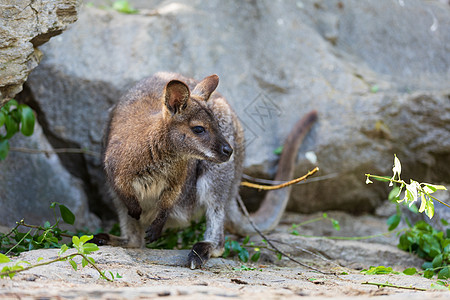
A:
[205,87]
[176,96]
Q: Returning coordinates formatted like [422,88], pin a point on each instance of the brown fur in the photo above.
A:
[165,171]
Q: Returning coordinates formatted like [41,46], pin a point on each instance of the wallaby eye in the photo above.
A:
[198,129]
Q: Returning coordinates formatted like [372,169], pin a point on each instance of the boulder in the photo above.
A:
[30,182]
[377,72]
[25,25]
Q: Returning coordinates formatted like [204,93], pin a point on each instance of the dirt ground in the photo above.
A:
[147,274]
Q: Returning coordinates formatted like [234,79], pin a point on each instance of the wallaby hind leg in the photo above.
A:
[214,196]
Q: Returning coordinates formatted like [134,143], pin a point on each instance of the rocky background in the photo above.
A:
[378,72]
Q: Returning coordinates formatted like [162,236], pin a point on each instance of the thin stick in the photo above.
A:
[279,186]
[394,286]
[273,182]
[244,209]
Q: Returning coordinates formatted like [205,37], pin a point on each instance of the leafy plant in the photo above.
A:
[431,245]
[47,236]
[37,237]
[83,250]
[234,247]
[14,117]
[413,191]
[422,238]
[174,238]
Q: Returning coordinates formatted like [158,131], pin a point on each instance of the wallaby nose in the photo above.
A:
[227,150]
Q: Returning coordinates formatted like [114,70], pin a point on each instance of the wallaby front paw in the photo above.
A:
[152,235]
[199,254]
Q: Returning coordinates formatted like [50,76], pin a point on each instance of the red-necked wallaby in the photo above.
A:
[174,151]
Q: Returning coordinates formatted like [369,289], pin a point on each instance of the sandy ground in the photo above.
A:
[150,274]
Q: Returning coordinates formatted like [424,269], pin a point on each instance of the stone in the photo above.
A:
[29,183]
[377,90]
[25,25]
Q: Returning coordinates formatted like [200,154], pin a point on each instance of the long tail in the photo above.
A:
[272,208]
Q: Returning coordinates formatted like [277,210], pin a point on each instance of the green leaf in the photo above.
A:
[255,257]
[247,238]
[393,221]
[431,188]
[11,103]
[2,118]
[12,126]
[4,149]
[382,178]
[4,258]
[66,214]
[394,193]
[27,118]
[235,246]
[85,238]
[374,88]
[429,273]
[73,264]
[444,222]
[444,273]
[84,262]
[124,6]
[437,261]
[278,151]
[279,255]
[63,249]
[429,210]
[410,271]
[243,255]
[76,241]
[90,247]
[336,225]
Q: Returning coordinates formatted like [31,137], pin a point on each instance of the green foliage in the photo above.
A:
[124,6]
[233,247]
[174,238]
[48,236]
[382,270]
[325,216]
[37,237]
[431,245]
[413,191]
[14,117]
[278,150]
[244,268]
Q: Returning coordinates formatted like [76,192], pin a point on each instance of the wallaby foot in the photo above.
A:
[199,254]
[101,239]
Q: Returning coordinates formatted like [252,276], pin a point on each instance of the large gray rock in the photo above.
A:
[25,25]
[29,183]
[379,88]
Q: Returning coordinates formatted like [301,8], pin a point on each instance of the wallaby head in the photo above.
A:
[191,126]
